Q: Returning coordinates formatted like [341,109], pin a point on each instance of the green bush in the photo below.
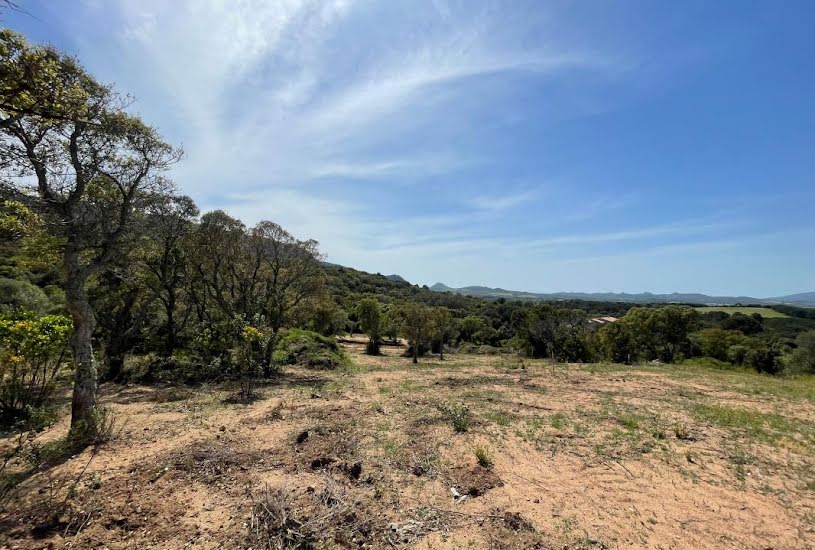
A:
[309,349]
[458,415]
[21,295]
[32,351]
[478,349]
[708,362]
[802,358]
[179,369]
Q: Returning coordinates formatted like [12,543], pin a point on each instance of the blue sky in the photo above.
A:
[564,146]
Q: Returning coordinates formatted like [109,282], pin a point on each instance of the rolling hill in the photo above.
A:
[806,299]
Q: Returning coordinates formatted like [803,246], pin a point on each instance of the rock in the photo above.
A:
[302,436]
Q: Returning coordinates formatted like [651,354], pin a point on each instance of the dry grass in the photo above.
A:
[569,456]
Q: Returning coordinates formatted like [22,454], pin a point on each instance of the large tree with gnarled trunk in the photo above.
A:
[84,164]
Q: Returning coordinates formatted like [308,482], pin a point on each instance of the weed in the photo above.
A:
[558,421]
[458,415]
[657,431]
[630,421]
[483,456]
[500,418]
[681,431]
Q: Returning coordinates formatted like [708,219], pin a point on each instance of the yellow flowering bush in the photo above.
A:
[32,350]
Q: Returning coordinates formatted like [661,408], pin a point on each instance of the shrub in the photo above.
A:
[16,295]
[309,349]
[763,360]
[681,431]
[103,430]
[179,369]
[32,351]
[458,415]
[483,456]
[802,358]
[708,362]
[478,349]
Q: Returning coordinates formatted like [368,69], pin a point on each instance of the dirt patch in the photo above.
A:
[283,518]
[211,461]
[473,481]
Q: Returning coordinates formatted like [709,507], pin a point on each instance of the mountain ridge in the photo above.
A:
[806,299]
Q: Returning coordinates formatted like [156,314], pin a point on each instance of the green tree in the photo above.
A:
[548,331]
[802,358]
[93,165]
[328,319]
[470,327]
[169,222]
[716,342]
[660,333]
[442,322]
[370,318]
[416,325]
[614,342]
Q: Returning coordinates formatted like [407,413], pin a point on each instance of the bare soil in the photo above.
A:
[576,456]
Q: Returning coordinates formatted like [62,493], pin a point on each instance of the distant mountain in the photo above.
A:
[806,299]
[802,299]
[397,278]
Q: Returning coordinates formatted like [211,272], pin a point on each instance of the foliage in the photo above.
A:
[650,333]
[547,331]
[17,295]
[92,165]
[370,317]
[458,415]
[328,319]
[309,349]
[251,357]
[416,325]
[443,329]
[32,351]
[802,358]
[483,456]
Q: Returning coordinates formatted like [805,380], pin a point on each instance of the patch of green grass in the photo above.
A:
[657,429]
[390,447]
[481,395]
[532,424]
[581,429]
[730,310]
[629,420]
[558,421]
[499,417]
[766,427]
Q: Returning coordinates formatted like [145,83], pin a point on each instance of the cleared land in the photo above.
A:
[571,457]
[730,310]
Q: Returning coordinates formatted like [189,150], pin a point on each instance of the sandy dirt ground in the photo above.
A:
[471,452]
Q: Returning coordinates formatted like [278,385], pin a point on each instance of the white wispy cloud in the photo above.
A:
[263,89]
[274,101]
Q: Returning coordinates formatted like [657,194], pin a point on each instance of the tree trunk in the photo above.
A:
[169,345]
[115,364]
[441,345]
[84,397]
